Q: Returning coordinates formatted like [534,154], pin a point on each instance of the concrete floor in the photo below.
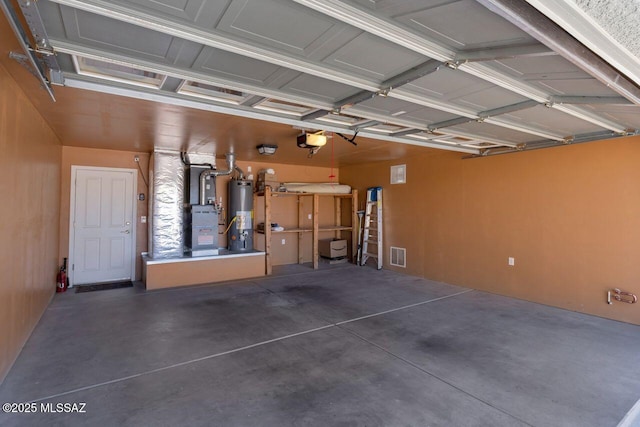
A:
[343,346]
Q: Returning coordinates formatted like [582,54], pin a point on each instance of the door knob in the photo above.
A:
[125,232]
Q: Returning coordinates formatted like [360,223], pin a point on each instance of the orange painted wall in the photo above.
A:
[103,158]
[29,212]
[570,216]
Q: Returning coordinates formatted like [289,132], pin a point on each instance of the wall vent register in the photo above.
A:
[398,257]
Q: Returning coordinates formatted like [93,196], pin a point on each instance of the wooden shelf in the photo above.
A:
[307,230]
[286,193]
[337,228]
[290,230]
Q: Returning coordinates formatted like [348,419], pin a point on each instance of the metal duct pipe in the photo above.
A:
[240,172]
[231,165]
[536,145]
[537,25]
[167,238]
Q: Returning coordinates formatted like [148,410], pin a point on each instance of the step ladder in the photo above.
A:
[372,227]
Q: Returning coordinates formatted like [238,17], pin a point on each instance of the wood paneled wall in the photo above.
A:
[29,217]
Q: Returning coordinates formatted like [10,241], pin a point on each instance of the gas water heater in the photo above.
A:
[240,213]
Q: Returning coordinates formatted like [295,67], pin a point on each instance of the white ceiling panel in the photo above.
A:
[399,109]
[362,55]
[289,27]
[465,89]
[389,106]
[189,10]
[456,24]
[586,86]
[119,36]
[232,65]
[491,132]
[541,68]
[446,82]
[316,87]
[628,114]
[550,119]
[487,98]
[51,17]
[428,115]
[395,8]
[398,64]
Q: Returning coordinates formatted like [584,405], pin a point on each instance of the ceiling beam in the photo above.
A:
[448,123]
[609,100]
[517,126]
[396,81]
[575,21]
[503,52]
[362,18]
[412,74]
[120,89]
[508,109]
[472,137]
[171,84]
[186,74]
[372,88]
[354,99]
[406,132]
[537,145]
[534,23]
[252,100]
[314,114]
[218,40]
[489,117]
[74,48]
[365,125]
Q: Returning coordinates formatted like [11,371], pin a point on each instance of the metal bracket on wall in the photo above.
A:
[621,296]
[39,59]
[24,61]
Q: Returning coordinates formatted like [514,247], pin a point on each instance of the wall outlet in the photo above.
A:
[248,168]
[143,219]
[136,159]
[512,261]
[309,216]
[284,241]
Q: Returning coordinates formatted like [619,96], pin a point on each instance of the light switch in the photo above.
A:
[143,219]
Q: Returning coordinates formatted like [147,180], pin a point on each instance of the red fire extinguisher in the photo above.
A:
[61,280]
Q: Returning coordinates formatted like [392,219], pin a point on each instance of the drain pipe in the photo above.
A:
[231,165]
[537,25]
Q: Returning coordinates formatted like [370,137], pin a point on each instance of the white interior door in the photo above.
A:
[102,225]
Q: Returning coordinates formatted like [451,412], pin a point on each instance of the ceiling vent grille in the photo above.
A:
[398,257]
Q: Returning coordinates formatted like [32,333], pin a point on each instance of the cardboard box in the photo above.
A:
[332,248]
